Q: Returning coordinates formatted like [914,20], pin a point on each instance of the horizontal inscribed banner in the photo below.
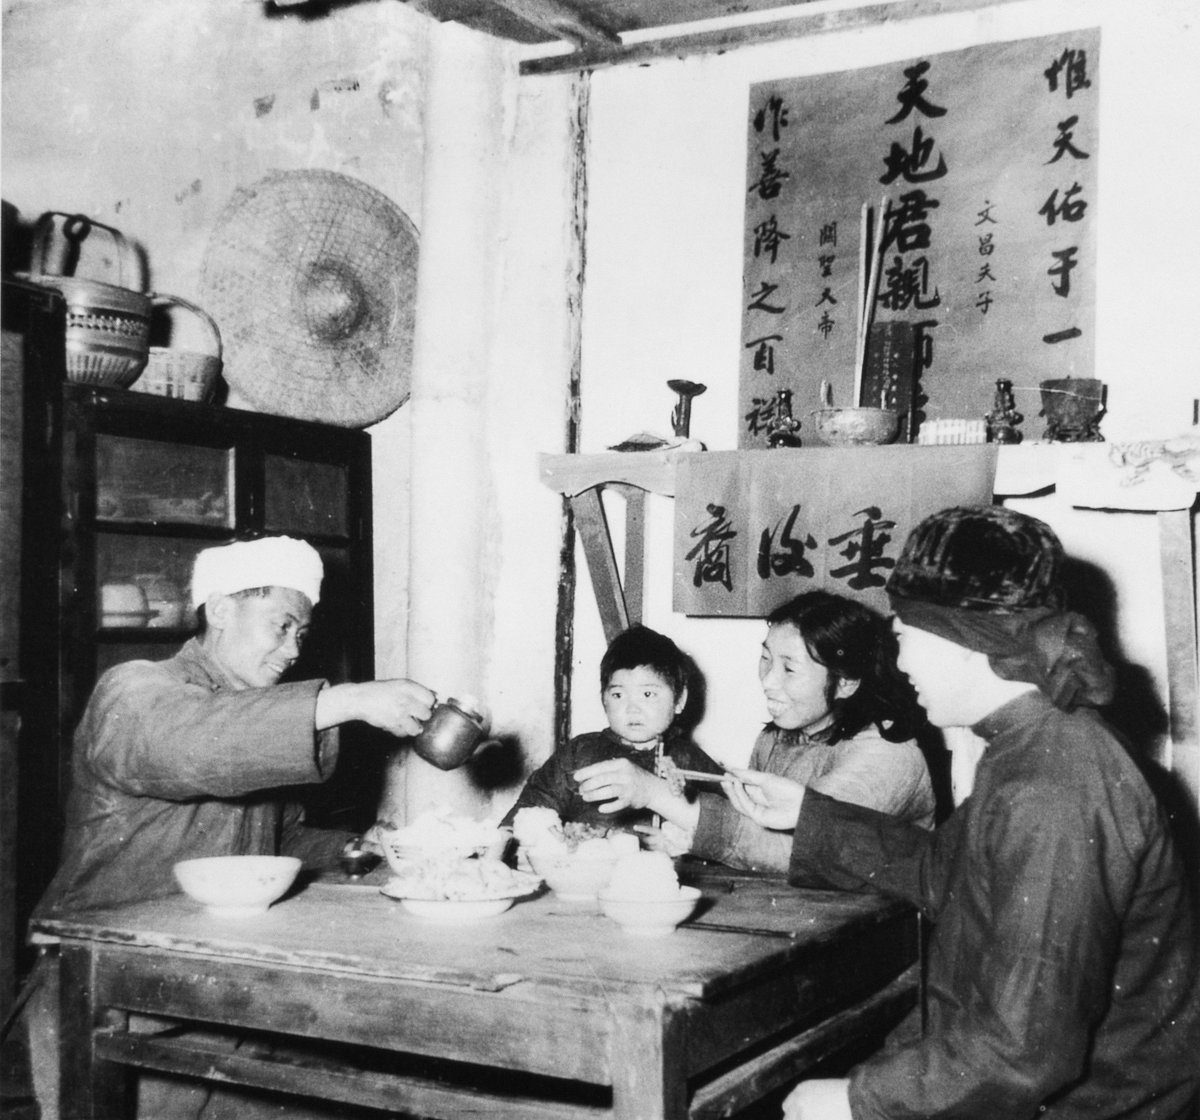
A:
[754,528]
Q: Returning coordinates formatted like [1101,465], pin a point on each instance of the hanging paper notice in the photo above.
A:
[754,528]
[948,201]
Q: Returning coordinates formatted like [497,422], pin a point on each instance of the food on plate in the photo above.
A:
[644,876]
[466,880]
[441,829]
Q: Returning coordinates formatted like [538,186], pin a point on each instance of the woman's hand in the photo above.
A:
[620,784]
[767,799]
[822,1099]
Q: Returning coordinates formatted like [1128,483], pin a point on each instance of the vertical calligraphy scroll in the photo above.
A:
[987,160]
[754,528]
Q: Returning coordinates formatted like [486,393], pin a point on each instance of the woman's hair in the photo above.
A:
[640,646]
[854,642]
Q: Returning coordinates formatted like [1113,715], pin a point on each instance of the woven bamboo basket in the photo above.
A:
[108,325]
[188,375]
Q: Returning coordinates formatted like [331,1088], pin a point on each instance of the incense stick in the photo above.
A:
[869,309]
[864,269]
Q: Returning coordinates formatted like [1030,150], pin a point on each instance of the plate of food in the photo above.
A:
[461,893]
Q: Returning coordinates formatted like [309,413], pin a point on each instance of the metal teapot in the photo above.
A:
[451,734]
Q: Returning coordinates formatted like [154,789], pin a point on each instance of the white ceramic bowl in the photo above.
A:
[237,886]
[403,847]
[643,917]
[573,877]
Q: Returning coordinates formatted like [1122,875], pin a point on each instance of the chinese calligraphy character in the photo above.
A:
[1063,142]
[907,225]
[827,296]
[758,299]
[1066,265]
[768,237]
[764,352]
[908,286]
[825,263]
[712,553]
[762,412]
[776,112]
[1070,209]
[770,181]
[789,559]
[984,301]
[825,325]
[984,216]
[912,95]
[986,245]
[909,163]
[864,549]
[828,234]
[1072,64]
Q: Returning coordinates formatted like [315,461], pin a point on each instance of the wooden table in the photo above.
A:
[381,1008]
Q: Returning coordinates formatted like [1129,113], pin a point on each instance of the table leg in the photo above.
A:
[648,1062]
[91,1089]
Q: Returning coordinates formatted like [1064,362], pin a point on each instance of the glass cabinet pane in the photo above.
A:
[147,480]
[144,581]
[305,497]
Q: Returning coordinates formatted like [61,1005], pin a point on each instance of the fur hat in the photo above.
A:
[266,562]
[980,558]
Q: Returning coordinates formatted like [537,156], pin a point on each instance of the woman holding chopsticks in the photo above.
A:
[843,721]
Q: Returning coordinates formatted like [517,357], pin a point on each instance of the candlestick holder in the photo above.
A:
[681,414]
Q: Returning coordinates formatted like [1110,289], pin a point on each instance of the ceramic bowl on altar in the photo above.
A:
[650,917]
[856,427]
[237,886]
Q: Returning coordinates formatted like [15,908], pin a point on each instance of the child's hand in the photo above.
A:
[618,783]
[767,799]
[670,838]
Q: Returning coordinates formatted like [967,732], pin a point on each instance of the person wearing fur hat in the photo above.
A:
[188,757]
[1063,967]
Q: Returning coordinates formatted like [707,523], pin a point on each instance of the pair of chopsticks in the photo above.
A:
[704,776]
[870,255]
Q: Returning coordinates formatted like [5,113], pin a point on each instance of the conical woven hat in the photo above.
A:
[312,277]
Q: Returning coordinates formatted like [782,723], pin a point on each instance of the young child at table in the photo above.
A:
[602,777]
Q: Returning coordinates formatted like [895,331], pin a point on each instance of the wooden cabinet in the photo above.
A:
[122,489]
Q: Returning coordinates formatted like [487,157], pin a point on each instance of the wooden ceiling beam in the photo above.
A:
[562,21]
[722,39]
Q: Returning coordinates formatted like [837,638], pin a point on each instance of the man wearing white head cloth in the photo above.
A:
[186,757]
[177,759]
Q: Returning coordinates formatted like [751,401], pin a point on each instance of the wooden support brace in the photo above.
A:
[592,524]
[562,21]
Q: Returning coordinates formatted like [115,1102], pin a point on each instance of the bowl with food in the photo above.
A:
[644,896]
[575,859]
[439,837]
[237,886]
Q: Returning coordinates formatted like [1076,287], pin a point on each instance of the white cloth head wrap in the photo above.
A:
[267,562]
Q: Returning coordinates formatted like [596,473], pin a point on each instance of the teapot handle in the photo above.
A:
[76,229]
